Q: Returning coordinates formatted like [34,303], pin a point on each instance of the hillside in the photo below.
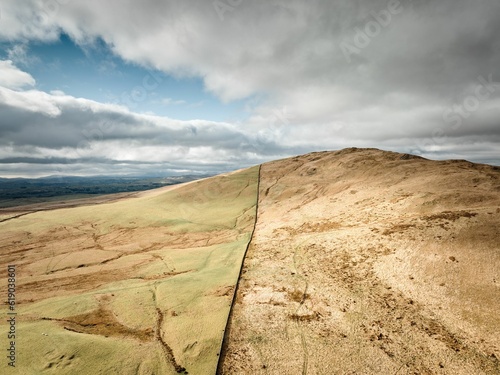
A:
[135,286]
[371,262]
[15,192]
[360,261]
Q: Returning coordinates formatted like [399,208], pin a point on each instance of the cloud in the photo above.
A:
[19,54]
[170,101]
[12,77]
[39,128]
[409,85]
[269,46]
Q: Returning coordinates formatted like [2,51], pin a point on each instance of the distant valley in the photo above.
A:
[23,191]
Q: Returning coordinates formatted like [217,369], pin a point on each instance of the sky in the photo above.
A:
[179,87]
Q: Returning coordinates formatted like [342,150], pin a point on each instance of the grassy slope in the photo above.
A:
[131,287]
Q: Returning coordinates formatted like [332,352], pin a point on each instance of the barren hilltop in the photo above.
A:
[358,261]
[370,262]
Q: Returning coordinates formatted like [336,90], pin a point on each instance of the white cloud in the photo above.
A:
[12,77]
[35,120]
[392,94]
[170,101]
[33,101]
[19,54]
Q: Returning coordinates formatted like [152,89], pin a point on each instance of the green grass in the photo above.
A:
[180,254]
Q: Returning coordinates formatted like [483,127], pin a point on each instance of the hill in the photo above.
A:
[370,262]
[15,192]
[136,286]
[358,261]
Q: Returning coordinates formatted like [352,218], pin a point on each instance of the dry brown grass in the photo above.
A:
[399,257]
